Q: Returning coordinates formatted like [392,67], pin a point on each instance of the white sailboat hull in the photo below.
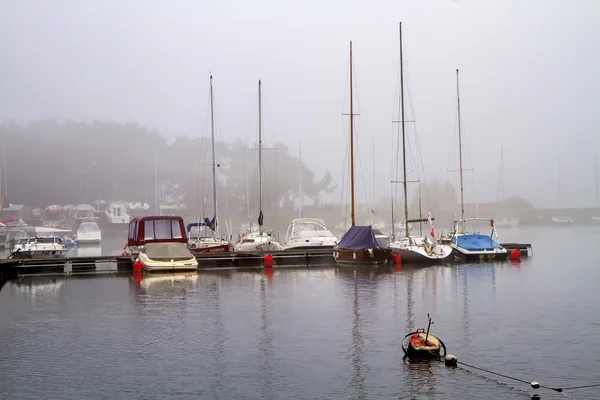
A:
[420,252]
[254,241]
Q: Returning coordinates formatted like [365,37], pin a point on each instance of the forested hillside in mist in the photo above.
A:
[51,162]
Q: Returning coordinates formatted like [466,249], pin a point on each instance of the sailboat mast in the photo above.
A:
[300,196]
[559,192]
[214,165]
[403,136]
[462,202]
[260,216]
[597,185]
[351,141]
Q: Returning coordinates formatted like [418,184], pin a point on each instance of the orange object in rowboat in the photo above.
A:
[421,344]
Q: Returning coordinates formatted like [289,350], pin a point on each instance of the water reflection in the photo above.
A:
[265,343]
[42,286]
[154,284]
[357,381]
[213,298]
[419,378]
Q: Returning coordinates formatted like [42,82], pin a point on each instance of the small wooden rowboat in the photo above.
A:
[421,344]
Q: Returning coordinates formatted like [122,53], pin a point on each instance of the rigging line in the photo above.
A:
[419,162]
[344,210]
[362,170]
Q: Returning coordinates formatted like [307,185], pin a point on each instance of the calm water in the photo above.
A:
[330,333]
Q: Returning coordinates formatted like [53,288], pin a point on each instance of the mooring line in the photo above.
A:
[533,384]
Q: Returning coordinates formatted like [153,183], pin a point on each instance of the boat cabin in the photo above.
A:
[199,230]
[156,229]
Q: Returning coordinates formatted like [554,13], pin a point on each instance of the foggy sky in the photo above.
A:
[529,80]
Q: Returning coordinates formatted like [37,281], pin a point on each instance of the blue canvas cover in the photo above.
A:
[359,238]
[476,242]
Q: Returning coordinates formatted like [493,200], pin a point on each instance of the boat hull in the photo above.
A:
[167,265]
[483,255]
[58,253]
[310,247]
[418,347]
[220,248]
[418,255]
[362,256]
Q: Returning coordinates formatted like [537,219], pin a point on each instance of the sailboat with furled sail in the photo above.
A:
[415,249]
[203,236]
[359,245]
[468,241]
[258,239]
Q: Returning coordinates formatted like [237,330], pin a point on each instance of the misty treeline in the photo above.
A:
[52,162]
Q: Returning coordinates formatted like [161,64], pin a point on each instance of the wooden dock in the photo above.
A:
[525,248]
[10,268]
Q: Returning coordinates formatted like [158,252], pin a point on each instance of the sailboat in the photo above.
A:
[505,221]
[561,220]
[359,245]
[421,249]
[253,239]
[203,236]
[467,241]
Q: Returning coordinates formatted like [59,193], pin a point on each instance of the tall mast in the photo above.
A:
[559,185]
[597,185]
[351,140]
[502,179]
[403,136]
[300,188]
[260,214]
[462,202]
[214,165]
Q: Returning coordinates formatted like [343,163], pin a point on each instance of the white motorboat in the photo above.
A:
[39,247]
[85,211]
[116,213]
[160,244]
[304,233]
[562,220]
[506,222]
[88,232]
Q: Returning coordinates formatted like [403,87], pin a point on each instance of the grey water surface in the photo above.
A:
[326,333]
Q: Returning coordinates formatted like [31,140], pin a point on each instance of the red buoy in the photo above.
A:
[515,254]
[268,261]
[397,257]
[138,266]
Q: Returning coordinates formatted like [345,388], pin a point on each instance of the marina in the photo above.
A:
[317,330]
[300,200]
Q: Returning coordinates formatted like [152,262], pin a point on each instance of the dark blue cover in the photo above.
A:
[207,222]
[359,238]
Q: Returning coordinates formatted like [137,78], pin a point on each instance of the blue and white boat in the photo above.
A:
[470,243]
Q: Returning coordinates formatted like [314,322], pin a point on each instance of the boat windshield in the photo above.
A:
[89,227]
[308,229]
[200,232]
[475,226]
[47,239]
